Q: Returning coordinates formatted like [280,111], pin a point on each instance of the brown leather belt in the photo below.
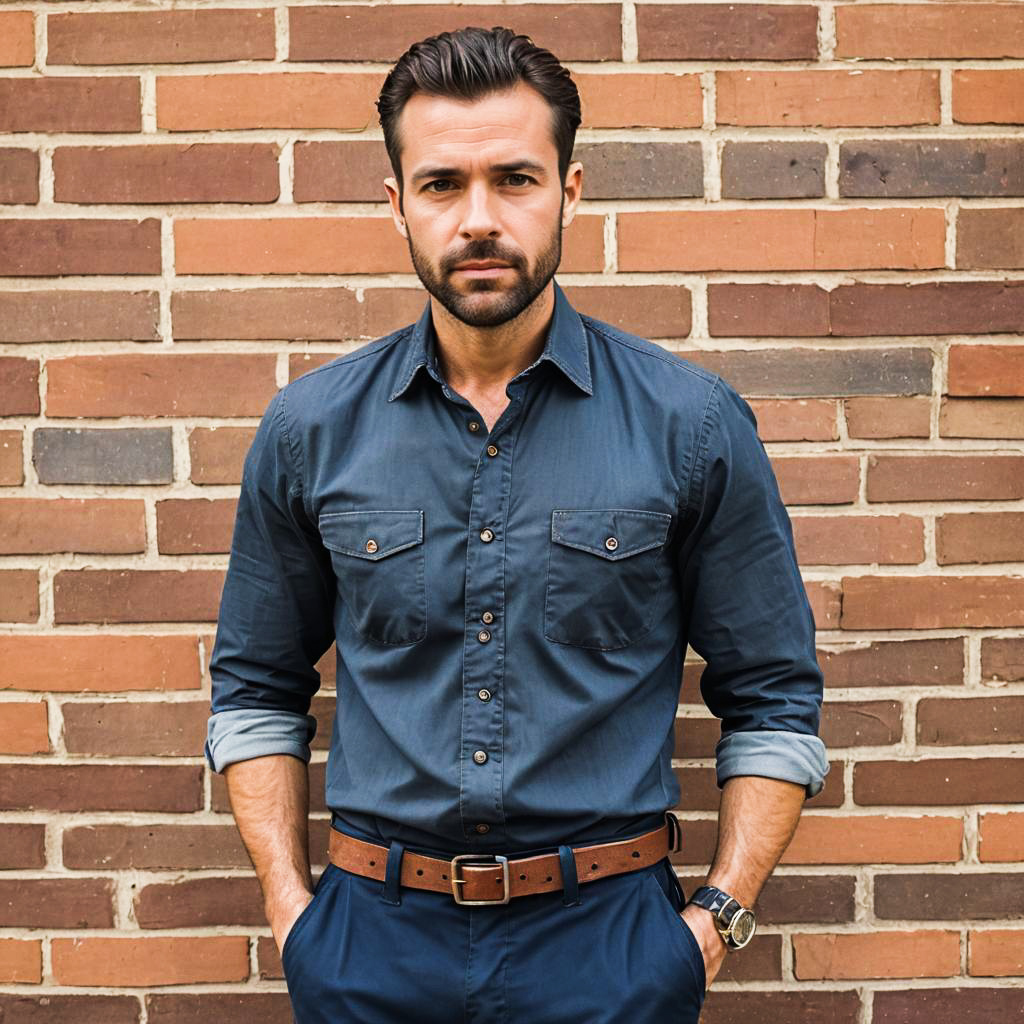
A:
[501,878]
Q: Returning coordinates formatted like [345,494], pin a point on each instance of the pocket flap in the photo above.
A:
[612,533]
[371,534]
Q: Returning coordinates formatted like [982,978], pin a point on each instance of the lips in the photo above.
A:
[482,265]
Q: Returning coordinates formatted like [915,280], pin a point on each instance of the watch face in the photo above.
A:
[743,925]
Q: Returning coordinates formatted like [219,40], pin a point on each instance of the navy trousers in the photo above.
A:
[612,951]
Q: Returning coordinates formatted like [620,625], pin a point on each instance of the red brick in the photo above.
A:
[223,1007]
[665,99]
[124,961]
[876,839]
[147,728]
[73,664]
[200,902]
[194,173]
[971,721]
[930,30]
[861,723]
[17,39]
[23,728]
[946,896]
[1001,837]
[986,370]
[51,247]
[990,239]
[160,385]
[225,102]
[21,961]
[136,595]
[930,662]
[826,603]
[57,903]
[217,453]
[25,1008]
[877,954]
[830,98]
[988,96]
[187,526]
[980,477]
[879,417]
[995,952]
[12,473]
[19,384]
[22,845]
[932,602]
[981,417]
[857,239]
[87,525]
[980,537]
[19,595]
[817,479]
[19,172]
[969,1005]
[797,419]
[849,540]
[79,316]
[652,311]
[948,780]
[70,103]
[153,847]
[767,310]
[1002,659]
[159,37]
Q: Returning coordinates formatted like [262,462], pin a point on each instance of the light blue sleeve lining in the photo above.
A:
[774,753]
[238,734]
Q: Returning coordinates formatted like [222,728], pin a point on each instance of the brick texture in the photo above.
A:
[820,202]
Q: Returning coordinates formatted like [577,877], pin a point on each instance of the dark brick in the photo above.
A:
[767,310]
[972,477]
[940,307]
[119,455]
[973,896]
[83,245]
[147,728]
[937,662]
[60,1009]
[70,103]
[990,239]
[222,1007]
[79,316]
[153,847]
[979,537]
[96,787]
[861,723]
[19,176]
[727,31]
[973,1005]
[641,170]
[807,1006]
[970,721]
[818,899]
[940,780]
[820,372]
[137,595]
[1002,659]
[201,902]
[773,170]
[57,903]
[22,846]
[19,385]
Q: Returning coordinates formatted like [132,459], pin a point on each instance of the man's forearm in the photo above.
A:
[270,801]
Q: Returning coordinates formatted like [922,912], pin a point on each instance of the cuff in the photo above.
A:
[775,753]
[244,733]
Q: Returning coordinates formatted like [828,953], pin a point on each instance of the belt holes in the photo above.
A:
[635,853]
[522,878]
[445,877]
[593,867]
[419,871]
[549,878]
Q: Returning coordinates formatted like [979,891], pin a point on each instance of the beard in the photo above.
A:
[505,303]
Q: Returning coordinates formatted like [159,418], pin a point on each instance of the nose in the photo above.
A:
[478,216]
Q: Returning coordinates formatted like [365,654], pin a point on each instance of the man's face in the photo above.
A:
[483,207]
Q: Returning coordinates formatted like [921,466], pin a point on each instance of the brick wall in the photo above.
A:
[820,201]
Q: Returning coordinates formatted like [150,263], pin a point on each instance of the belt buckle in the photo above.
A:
[495,858]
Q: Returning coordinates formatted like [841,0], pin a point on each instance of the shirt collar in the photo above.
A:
[567,346]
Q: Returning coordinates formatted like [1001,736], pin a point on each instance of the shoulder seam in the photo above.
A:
[702,448]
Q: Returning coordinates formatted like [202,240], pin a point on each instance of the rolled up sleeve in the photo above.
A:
[746,606]
[276,610]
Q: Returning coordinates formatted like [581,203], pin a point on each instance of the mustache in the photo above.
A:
[483,251]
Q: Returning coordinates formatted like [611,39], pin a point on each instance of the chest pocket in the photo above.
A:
[379,564]
[605,568]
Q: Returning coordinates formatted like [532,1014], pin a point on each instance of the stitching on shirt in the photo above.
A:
[702,448]
[294,450]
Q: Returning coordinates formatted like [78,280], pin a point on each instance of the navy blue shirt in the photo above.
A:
[512,608]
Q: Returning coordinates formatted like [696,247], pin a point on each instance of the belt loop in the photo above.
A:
[570,881]
[675,832]
[391,891]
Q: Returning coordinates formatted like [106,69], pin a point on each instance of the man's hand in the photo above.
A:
[712,945]
[285,912]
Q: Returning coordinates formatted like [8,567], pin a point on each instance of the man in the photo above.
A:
[513,518]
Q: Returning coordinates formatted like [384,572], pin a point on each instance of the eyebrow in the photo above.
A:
[453,172]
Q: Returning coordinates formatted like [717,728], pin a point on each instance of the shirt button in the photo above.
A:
[487,617]
[480,756]
[483,636]
[484,695]
[487,535]
[492,450]
[371,545]
[473,425]
[611,543]
[481,828]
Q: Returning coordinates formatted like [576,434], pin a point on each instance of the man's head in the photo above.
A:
[479,125]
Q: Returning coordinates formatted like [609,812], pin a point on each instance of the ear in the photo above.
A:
[573,191]
[394,198]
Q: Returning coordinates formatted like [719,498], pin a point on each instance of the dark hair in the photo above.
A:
[470,63]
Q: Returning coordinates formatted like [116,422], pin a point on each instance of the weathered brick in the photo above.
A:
[22,846]
[136,595]
[576,32]
[930,30]
[767,310]
[57,903]
[153,847]
[980,477]
[218,453]
[973,896]
[652,311]
[87,525]
[79,316]
[130,961]
[826,600]
[995,952]
[641,170]
[301,363]
[792,899]
[828,98]
[293,314]
[987,369]
[798,239]
[852,540]
[223,1007]
[877,954]
[939,307]
[999,837]
[127,455]
[194,173]
[160,385]
[799,419]
[817,479]
[820,372]
[665,99]
[159,37]
[926,662]
[23,728]
[98,663]
[861,723]
[19,171]
[876,839]
[981,417]
[970,1005]
[224,102]
[200,902]
[21,961]
[988,96]
[19,384]
[1002,659]
[727,32]
[773,170]
[939,780]
[86,245]
[932,602]
[971,721]
[352,171]
[67,103]
[879,418]
[332,245]
[19,595]
[147,728]
[17,39]
[990,239]
[62,1009]
[980,537]
[195,525]
[12,472]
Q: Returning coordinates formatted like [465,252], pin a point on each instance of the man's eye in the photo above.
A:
[438,181]
[524,178]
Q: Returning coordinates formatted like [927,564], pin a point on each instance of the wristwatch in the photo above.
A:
[735,923]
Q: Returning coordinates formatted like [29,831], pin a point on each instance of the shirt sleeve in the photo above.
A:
[746,606]
[276,610]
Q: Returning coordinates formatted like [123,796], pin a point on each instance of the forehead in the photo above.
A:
[516,122]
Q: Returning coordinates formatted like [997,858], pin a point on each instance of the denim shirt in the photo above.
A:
[512,607]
